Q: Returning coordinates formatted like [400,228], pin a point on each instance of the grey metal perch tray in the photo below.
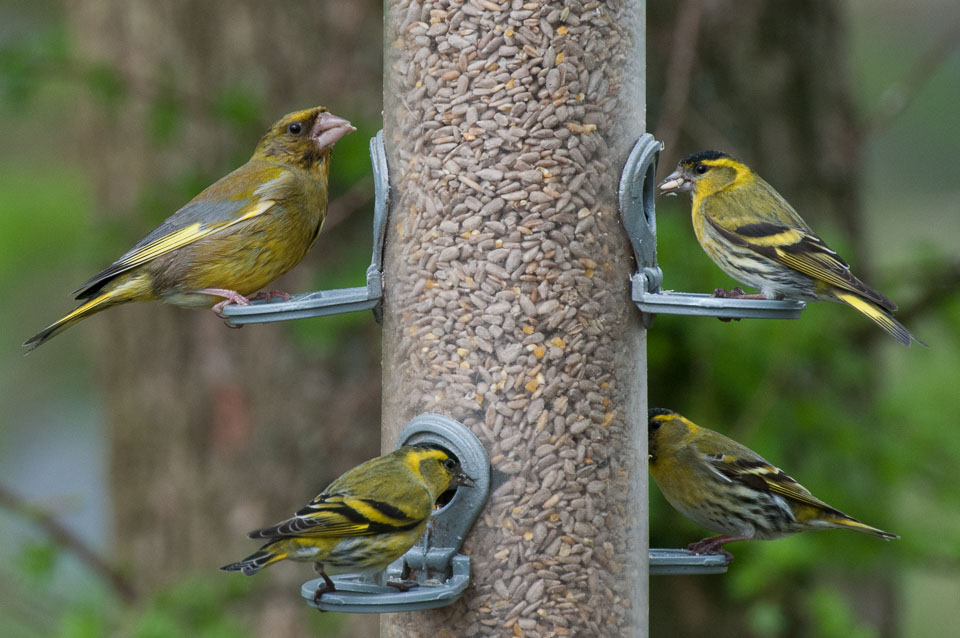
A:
[669,562]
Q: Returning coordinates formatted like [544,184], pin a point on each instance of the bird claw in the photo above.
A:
[402,584]
[229,297]
[734,293]
[713,545]
[327,586]
[737,293]
[261,296]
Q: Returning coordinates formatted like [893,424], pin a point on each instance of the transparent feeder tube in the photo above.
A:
[507,298]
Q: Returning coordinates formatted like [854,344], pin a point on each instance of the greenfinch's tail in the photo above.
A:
[878,316]
[852,523]
[98,303]
[266,555]
[126,291]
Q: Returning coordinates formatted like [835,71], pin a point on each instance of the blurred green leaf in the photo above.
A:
[16,83]
[196,606]
[29,64]
[766,619]
[43,214]
[166,118]
[106,84]
[238,107]
[832,617]
[84,621]
[351,157]
[37,560]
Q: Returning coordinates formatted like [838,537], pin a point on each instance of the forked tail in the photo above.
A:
[857,526]
[878,316]
[266,555]
[128,290]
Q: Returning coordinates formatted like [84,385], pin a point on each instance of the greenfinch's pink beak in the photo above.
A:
[674,183]
[328,129]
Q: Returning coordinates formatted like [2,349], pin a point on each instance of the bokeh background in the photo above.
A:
[138,448]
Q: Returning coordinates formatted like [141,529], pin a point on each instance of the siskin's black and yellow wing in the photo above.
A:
[336,515]
[764,477]
[801,250]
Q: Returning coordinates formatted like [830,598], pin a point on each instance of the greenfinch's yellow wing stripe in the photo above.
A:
[169,239]
[187,235]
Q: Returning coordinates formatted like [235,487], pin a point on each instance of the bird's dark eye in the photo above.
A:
[655,425]
[450,464]
[701,169]
[295,129]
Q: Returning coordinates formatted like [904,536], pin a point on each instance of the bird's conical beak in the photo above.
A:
[328,129]
[674,183]
[461,479]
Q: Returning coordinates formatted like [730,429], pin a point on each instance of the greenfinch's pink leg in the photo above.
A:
[230,296]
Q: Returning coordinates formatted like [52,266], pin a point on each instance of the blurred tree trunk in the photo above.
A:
[214,431]
[768,83]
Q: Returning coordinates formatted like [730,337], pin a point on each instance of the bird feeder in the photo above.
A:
[514,136]
[436,554]
[507,298]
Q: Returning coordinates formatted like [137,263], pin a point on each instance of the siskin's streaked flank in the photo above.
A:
[730,489]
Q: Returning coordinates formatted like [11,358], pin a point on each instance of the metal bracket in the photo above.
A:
[638,212]
[669,562]
[332,302]
[441,573]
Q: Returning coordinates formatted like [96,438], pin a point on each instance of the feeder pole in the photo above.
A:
[507,298]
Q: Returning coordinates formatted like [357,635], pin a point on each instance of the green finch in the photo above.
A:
[755,236]
[235,237]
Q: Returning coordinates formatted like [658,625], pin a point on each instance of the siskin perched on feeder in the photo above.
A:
[750,231]
[365,519]
[728,488]
[236,236]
